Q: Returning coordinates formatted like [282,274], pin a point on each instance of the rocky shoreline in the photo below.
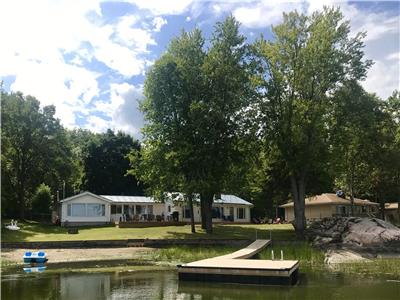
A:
[352,239]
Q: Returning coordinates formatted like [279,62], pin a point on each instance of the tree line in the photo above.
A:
[40,159]
[272,120]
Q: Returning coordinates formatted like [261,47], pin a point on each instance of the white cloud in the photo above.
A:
[158,22]
[163,7]
[123,108]
[262,13]
[96,124]
[38,34]
[383,78]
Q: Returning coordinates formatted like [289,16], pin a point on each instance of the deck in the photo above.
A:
[237,268]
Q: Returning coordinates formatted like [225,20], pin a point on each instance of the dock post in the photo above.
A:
[281,254]
[272,255]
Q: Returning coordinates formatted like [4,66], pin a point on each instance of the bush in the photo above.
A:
[41,202]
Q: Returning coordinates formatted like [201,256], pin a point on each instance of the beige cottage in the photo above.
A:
[392,213]
[329,205]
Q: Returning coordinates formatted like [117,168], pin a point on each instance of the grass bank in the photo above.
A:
[378,266]
[35,232]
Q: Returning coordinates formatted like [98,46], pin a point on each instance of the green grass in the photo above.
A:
[374,267]
[33,231]
[185,254]
[301,251]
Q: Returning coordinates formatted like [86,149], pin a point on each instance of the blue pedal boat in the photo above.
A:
[35,257]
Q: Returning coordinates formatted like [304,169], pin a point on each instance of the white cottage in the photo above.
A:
[90,209]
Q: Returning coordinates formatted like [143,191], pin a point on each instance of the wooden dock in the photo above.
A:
[237,268]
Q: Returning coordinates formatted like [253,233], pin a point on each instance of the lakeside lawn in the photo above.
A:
[34,231]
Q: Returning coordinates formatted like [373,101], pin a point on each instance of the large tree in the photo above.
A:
[34,150]
[306,60]
[193,100]
[106,164]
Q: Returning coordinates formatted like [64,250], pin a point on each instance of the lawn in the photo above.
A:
[33,231]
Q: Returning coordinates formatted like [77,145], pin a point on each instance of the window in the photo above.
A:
[119,209]
[78,210]
[216,213]
[241,213]
[169,208]
[113,209]
[231,211]
[186,213]
[150,209]
[69,210]
[95,210]
[138,209]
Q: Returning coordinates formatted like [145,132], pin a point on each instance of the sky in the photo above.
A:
[89,58]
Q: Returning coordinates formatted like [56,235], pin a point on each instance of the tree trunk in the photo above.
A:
[209,227]
[203,214]
[298,191]
[21,204]
[207,200]
[191,213]
[351,196]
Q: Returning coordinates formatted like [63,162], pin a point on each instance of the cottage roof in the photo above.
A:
[329,198]
[389,206]
[225,199]
[129,199]
[85,194]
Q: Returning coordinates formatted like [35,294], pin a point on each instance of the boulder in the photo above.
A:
[352,232]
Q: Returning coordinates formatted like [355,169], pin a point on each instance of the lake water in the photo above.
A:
[165,285]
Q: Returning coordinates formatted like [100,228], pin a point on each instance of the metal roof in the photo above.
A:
[225,199]
[231,199]
[129,199]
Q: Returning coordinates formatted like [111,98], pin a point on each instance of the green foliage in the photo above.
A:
[193,101]
[41,201]
[106,163]
[34,148]
[305,63]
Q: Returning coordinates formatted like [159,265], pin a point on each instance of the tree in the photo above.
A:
[308,59]
[173,86]
[41,202]
[354,117]
[80,139]
[106,165]
[193,101]
[34,150]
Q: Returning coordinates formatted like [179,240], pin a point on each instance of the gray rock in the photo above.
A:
[354,232]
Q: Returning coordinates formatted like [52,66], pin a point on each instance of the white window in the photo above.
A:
[78,210]
[95,210]
[241,213]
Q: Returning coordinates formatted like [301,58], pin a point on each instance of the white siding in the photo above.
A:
[227,212]
[85,199]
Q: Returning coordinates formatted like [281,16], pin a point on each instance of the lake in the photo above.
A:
[145,284]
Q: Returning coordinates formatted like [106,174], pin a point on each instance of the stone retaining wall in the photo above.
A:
[156,243]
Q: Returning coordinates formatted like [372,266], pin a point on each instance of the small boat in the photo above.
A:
[34,257]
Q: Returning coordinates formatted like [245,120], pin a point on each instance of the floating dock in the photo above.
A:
[237,268]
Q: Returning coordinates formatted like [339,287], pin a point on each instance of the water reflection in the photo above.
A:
[165,285]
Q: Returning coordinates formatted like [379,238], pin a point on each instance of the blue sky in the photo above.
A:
[89,58]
